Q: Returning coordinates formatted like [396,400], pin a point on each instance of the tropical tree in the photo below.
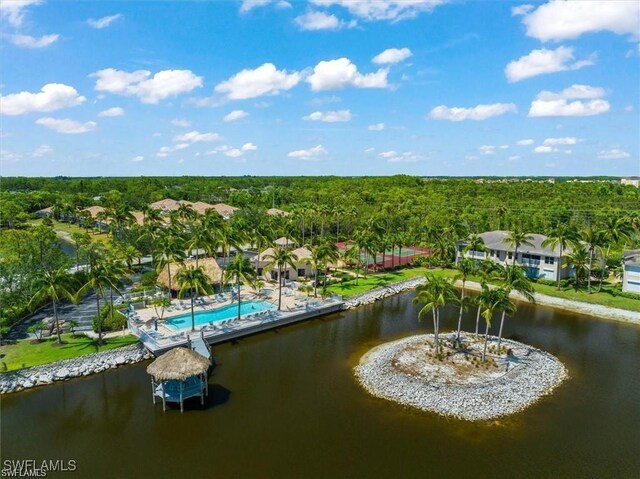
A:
[562,236]
[512,278]
[517,238]
[243,271]
[474,243]
[616,229]
[594,241]
[485,270]
[80,240]
[280,258]
[579,260]
[194,281]
[99,277]
[465,267]
[169,249]
[435,294]
[53,286]
[200,238]
[492,299]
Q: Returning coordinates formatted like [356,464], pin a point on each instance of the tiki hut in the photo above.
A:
[210,266]
[177,375]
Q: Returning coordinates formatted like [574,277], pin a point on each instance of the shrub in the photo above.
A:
[110,322]
[149,279]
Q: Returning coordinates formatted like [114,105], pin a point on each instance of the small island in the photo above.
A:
[456,383]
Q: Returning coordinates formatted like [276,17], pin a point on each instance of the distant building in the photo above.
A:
[277,212]
[45,212]
[538,261]
[631,181]
[303,265]
[631,271]
[168,204]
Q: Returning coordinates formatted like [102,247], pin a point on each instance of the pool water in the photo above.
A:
[183,321]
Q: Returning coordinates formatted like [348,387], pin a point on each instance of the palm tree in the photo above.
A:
[579,260]
[53,286]
[352,255]
[492,299]
[195,281]
[80,240]
[513,278]
[338,212]
[474,243]
[280,258]
[168,250]
[485,270]
[200,239]
[98,279]
[329,254]
[466,267]
[616,229]
[594,240]
[241,268]
[517,238]
[561,236]
[434,294]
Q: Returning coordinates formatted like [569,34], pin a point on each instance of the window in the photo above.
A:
[260,271]
[510,254]
[301,272]
[549,260]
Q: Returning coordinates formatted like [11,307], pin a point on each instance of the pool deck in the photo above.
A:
[296,307]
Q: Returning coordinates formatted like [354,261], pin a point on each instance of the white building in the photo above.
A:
[631,271]
[539,261]
[303,265]
[631,181]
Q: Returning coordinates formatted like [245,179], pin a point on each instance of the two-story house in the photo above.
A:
[631,271]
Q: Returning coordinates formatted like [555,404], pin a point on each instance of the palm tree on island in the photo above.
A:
[466,267]
[492,299]
[280,258]
[435,294]
[243,271]
[194,281]
[512,278]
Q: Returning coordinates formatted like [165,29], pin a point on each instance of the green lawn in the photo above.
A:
[27,354]
[605,298]
[73,228]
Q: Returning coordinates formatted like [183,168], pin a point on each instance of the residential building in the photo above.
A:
[631,271]
[303,265]
[631,181]
[538,261]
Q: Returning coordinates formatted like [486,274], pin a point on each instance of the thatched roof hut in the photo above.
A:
[178,364]
[210,266]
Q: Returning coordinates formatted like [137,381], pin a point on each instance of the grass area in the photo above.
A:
[27,354]
[605,297]
[72,228]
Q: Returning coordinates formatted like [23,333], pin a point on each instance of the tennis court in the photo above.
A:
[399,257]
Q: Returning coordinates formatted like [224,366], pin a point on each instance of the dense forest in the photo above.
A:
[376,213]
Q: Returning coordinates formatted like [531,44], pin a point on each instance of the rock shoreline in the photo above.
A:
[535,375]
[382,292]
[72,368]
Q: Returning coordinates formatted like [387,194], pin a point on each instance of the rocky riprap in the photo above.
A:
[382,292]
[72,368]
[534,374]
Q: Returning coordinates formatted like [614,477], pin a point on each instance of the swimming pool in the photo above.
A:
[183,321]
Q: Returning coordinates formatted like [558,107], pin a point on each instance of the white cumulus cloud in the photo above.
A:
[111,112]
[27,41]
[13,10]
[392,55]
[525,142]
[544,149]
[235,115]
[52,96]
[377,10]
[248,5]
[393,156]
[376,127]
[560,20]
[613,154]
[330,116]
[103,22]
[521,10]
[196,137]
[341,73]
[67,126]
[312,21]
[181,122]
[137,159]
[310,154]
[567,140]
[478,113]
[577,100]
[264,80]
[543,61]
[149,89]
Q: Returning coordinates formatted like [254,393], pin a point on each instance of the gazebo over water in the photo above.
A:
[177,375]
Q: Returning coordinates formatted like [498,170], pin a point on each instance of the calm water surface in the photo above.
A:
[284,404]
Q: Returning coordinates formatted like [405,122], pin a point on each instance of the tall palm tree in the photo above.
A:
[435,294]
[512,278]
[562,236]
[80,240]
[352,255]
[492,299]
[616,229]
[200,238]
[280,258]
[466,267]
[594,241]
[474,243]
[99,277]
[517,238]
[54,286]
[579,261]
[338,212]
[194,281]
[169,250]
[243,271]
[329,254]
[485,270]
[321,254]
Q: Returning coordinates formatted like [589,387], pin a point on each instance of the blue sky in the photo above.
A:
[359,87]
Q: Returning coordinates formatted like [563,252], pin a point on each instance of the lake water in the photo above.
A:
[284,404]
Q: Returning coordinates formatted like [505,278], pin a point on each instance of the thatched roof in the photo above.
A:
[178,364]
[285,242]
[210,266]
[94,211]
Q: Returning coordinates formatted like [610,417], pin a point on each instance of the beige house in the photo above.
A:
[168,204]
[303,265]
[277,212]
[539,261]
[631,181]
